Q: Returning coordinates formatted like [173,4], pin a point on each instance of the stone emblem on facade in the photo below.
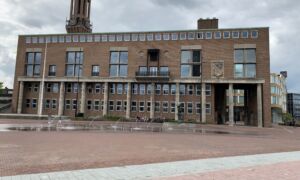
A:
[217,69]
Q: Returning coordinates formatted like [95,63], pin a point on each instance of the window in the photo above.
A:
[89,38]
[198,89]
[52,87]
[134,37]
[95,70]
[112,88]
[157,107]
[33,64]
[158,89]
[89,105]
[75,38]
[111,105]
[190,108]
[97,88]
[29,87]
[68,104]
[181,108]
[135,88]
[166,89]
[127,37]
[74,64]
[235,34]
[182,89]
[165,106]
[190,63]
[149,89]
[75,87]
[49,87]
[34,103]
[182,36]
[47,104]
[111,38]
[118,64]
[28,103]
[74,104]
[226,35]
[208,108]
[200,35]
[173,89]
[173,107]
[245,63]
[125,88]
[166,37]
[133,106]
[208,35]
[28,40]
[119,37]
[142,37]
[245,34]
[97,38]
[148,106]
[191,35]
[254,34]
[68,39]
[149,37]
[52,70]
[208,90]
[36,88]
[69,88]
[153,54]
[125,105]
[218,35]
[190,89]
[34,40]
[142,89]
[82,38]
[164,69]
[41,40]
[174,36]
[157,37]
[48,39]
[198,108]
[101,105]
[96,105]
[119,106]
[120,89]
[104,38]
[142,106]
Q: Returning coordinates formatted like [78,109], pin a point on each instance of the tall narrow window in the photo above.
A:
[245,63]
[33,64]
[95,70]
[74,64]
[190,63]
[52,70]
[118,64]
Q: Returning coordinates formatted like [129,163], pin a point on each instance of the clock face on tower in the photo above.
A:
[79,21]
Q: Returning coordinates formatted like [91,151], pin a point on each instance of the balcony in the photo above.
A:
[153,75]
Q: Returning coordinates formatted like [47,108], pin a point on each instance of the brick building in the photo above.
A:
[182,74]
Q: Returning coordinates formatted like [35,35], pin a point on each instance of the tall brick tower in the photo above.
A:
[79,17]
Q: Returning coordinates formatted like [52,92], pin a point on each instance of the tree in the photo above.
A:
[1,87]
[287,119]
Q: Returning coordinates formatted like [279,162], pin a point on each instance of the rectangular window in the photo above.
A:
[226,35]
[190,108]
[74,64]
[82,38]
[95,70]
[173,89]
[245,34]
[119,106]
[134,37]
[47,103]
[34,103]
[173,107]
[158,89]
[75,87]
[149,37]
[208,90]
[112,88]
[191,35]
[118,64]
[33,64]
[149,89]
[190,63]
[101,105]
[198,108]
[68,39]
[97,38]
[125,88]
[198,89]
[254,34]
[133,106]
[158,37]
[181,108]
[182,89]
[208,108]
[104,38]
[235,34]
[166,37]
[148,106]
[166,89]
[68,104]
[89,38]
[208,35]
[142,106]
[54,103]
[52,70]
[165,106]
[125,105]
[120,89]
[112,38]
[200,35]
[36,88]
[75,104]
[157,106]
[142,37]
[135,88]
[190,89]
[218,35]
[142,89]
[28,103]
[127,37]
[96,105]
[245,63]
[119,37]
[97,88]
[182,36]
[89,105]
[111,105]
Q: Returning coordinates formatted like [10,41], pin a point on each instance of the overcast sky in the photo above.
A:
[48,16]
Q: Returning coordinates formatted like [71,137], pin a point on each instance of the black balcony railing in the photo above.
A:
[52,74]
[153,75]
[94,74]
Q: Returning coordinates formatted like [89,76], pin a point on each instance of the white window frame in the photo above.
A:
[190,108]
[165,107]
[142,106]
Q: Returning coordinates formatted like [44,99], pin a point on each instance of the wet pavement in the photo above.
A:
[47,147]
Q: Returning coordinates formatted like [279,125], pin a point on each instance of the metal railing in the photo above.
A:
[152,74]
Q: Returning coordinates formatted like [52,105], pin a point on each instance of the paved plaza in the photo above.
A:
[73,152]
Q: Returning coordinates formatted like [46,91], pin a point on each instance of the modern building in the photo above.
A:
[293,100]
[178,74]
[278,96]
